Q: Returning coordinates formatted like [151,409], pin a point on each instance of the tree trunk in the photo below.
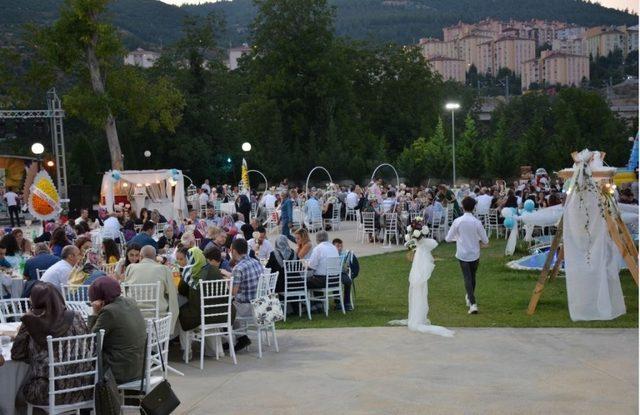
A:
[110,123]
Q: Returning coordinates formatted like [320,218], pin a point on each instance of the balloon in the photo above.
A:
[509,223]
[506,213]
[529,205]
[115,175]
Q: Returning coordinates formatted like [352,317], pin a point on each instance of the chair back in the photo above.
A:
[137,228]
[216,297]
[369,221]
[263,286]
[40,273]
[295,276]
[335,213]
[13,308]
[157,343]
[146,295]
[334,271]
[273,281]
[77,293]
[80,307]
[73,360]
[391,222]
[109,269]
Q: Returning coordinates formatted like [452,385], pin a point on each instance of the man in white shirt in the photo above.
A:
[389,203]
[203,199]
[58,273]
[12,206]
[318,260]
[111,228]
[468,233]
[205,186]
[352,199]
[261,245]
[484,202]
[269,200]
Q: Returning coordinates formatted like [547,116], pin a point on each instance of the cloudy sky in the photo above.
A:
[619,4]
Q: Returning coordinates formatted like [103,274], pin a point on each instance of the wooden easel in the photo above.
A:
[617,230]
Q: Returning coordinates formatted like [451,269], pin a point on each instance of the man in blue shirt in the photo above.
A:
[145,236]
[286,215]
[42,260]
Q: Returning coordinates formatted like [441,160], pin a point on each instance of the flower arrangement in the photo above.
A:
[415,231]
[44,201]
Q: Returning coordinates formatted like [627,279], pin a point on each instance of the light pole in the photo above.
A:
[453,106]
[246,147]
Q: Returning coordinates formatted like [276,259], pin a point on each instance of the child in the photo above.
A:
[467,231]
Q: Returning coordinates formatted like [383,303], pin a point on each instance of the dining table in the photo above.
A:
[12,373]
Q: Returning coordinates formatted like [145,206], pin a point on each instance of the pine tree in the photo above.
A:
[438,157]
[469,151]
[499,155]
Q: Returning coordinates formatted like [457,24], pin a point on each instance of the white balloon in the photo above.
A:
[506,212]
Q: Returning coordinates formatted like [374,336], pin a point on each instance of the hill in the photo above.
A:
[153,23]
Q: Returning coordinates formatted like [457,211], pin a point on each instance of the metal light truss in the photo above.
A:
[54,113]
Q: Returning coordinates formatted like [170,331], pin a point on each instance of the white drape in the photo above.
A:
[591,257]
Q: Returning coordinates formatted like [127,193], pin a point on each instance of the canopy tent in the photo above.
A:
[152,189]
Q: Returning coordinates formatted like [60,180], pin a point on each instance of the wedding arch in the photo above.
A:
[309,176]
[266,182]
[394,170]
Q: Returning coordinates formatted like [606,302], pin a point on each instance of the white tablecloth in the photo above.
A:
[12,375]
[14,290]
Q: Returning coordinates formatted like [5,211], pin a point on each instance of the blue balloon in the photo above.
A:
[509,223]
[529,205]
[115,175]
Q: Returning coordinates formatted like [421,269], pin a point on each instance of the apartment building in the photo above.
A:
[448,68]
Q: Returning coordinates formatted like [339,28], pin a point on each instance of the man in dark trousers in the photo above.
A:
[12,207]
[468,233]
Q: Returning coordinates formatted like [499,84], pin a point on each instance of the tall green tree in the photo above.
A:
[86,49]
[469,151]
[438,154]
[499,153]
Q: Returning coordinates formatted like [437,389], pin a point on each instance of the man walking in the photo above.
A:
[468,233]
[286,214]
[12,206]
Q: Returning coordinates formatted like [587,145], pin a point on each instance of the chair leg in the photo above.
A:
[259,333]
[308,307]
[326,304]
[341,300]
[285,308]
[232,348]
[29,409]
[275,339]
[202,343]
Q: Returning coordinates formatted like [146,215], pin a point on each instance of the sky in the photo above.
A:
[618,4]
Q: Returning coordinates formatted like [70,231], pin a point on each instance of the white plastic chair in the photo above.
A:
[211,292]
[368,226]
[262,290]
[438,225]
[146,295]
[350,214]
[109,269]
[391,228]
[295,286]
[334,221]
[313,222]
[80,354]
[80,307]
[273,280]
[493,223]
[156,344]
[344,257]
[13,308]
[333,285]
[40,273]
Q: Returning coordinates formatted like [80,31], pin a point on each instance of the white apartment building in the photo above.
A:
[235,54]
[555,68]
[435,47]
[448,68]
[141,58]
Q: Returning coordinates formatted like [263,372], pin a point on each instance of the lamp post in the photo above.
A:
[246,147]
[453,106]
[38,149]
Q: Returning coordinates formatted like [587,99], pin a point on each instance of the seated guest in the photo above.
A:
[145,236]
[281,253]
[49,227]
[318,260]
[12,254]
[259,244]
[238,220]
[48,317]
[24,245]
[132,256]
[111,227]
[218,239]
[110,251]
[58,241]
[84,244]
[3,260]
[42,260]
[124,329]
[168,240]
[303,243]
[157,217]
[190,311]
[58,273]
[88,269]
[195,260]
[349,263]
[148,271]
[245,274]
[129,230]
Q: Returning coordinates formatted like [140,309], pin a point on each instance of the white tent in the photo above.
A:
[152,189]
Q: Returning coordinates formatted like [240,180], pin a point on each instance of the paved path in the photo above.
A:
[392,371]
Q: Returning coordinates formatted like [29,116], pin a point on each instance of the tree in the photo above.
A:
[532,147]
[438,154]
[82,46]
[469,151]
[499,154]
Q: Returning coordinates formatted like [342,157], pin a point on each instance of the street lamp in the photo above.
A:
[453,106]
[246,147]
[38,149]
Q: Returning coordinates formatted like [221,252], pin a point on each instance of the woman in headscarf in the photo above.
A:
[48,317]
[124,326]
[282,252]
[49,227]
[87,270]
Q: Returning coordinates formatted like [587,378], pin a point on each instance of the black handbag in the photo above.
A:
[106,397]
[161,400]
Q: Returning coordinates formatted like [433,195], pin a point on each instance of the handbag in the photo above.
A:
[106,397]
[267,309]
[161,400]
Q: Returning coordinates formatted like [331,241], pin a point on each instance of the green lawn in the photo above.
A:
[502,295]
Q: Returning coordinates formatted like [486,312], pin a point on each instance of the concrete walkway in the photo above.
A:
[390,370]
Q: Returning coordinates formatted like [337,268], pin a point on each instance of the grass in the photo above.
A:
[502,295]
